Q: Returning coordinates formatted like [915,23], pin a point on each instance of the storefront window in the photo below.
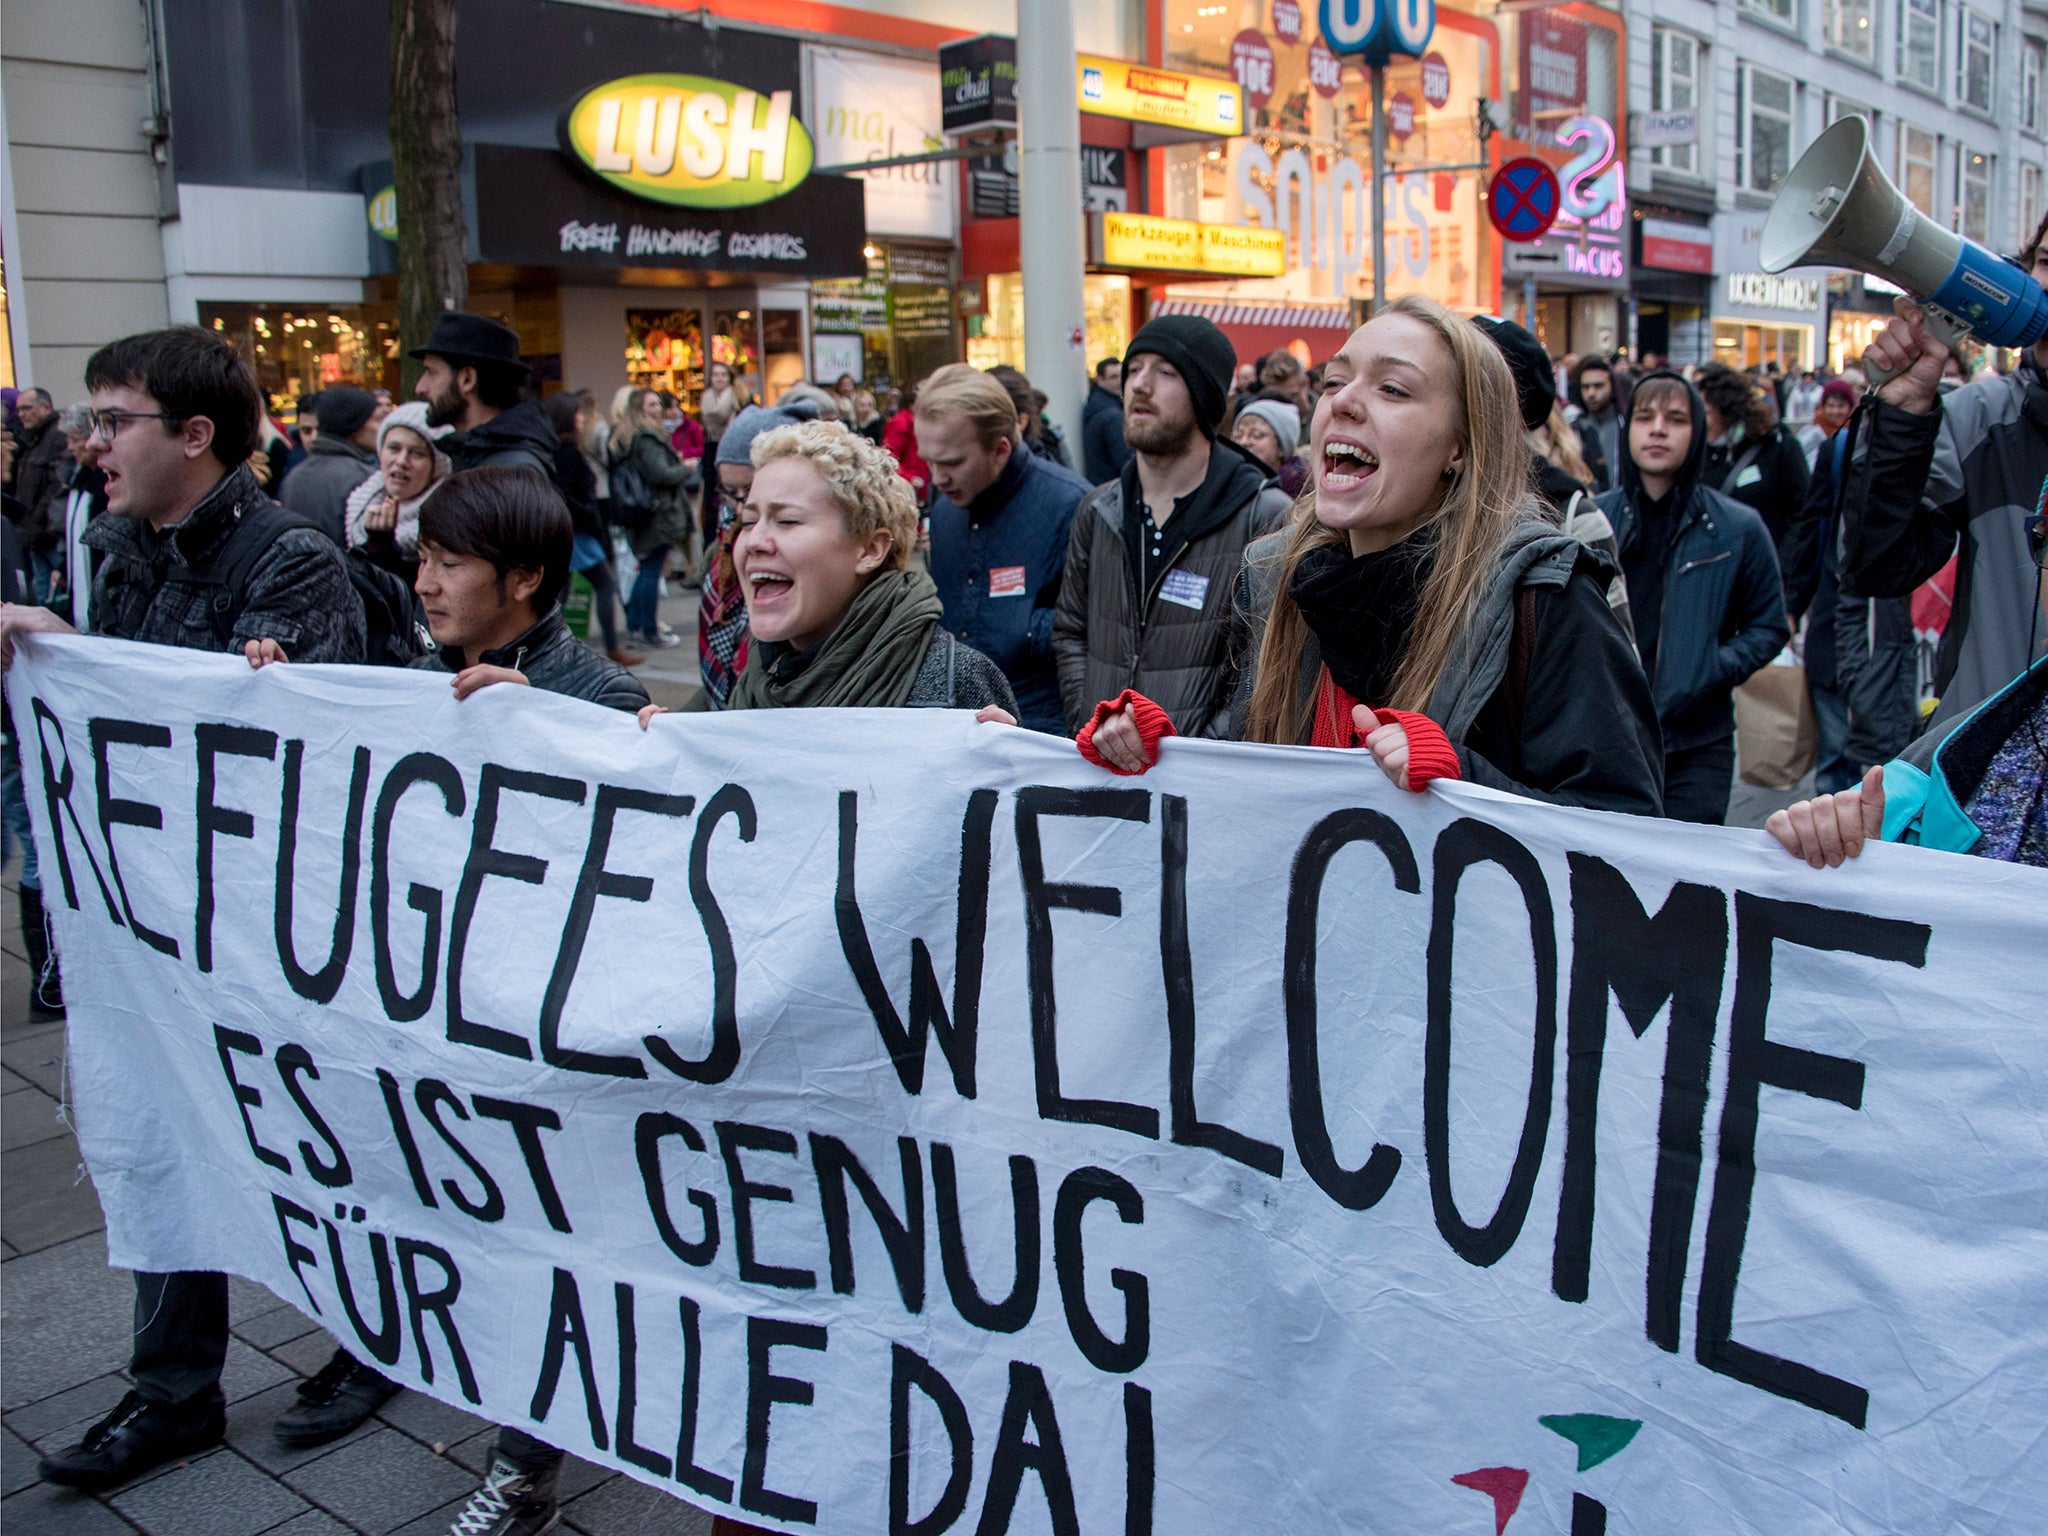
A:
[1848,334]
[665,351]
[735,342]
[296,351]
[1305,167]
[782,352]
[997,335]
[1740,345]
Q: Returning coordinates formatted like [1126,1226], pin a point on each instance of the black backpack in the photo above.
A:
[632,497]
[394,625]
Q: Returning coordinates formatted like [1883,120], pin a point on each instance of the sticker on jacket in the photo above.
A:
[1749,476]
[1006,581]
[1185,588]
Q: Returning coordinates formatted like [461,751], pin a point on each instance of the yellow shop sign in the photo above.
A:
[1142,94]
[1146,243]
[685,139]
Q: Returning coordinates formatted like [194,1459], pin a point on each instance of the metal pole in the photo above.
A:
[1529,305]
[1049,210]
[1379,185]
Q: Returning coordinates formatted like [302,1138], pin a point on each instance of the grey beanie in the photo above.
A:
[1282,416]
[736,446]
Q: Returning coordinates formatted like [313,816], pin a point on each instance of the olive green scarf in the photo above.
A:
[870,659]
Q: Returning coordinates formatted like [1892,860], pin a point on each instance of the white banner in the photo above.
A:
[870,1122]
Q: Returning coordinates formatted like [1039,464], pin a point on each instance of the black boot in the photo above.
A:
[45,986]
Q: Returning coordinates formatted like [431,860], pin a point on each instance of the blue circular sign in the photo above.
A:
[1523,200]
[1378,29]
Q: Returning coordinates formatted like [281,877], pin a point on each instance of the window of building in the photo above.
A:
[1916,168]
[1972,215]
[1851,27]
[2029,212]
[1840,107]
[1675,59]
[1920,43]
[2033,66]
[1976,38]
[1785,11]
[1763,129]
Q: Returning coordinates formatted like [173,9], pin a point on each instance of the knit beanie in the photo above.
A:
[413,417]
[342,410]
[1839,389]
[1202,355]
[1535,382]
[1282,416]
[737,445]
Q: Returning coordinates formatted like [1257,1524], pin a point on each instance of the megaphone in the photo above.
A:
[1837,208]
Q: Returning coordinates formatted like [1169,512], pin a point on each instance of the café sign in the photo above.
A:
[690,141]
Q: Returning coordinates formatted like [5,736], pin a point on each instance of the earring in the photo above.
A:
[1450,472]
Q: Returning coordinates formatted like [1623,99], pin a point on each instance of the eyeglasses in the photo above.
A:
[107,423]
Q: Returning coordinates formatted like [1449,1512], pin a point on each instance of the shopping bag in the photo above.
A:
[1776,735]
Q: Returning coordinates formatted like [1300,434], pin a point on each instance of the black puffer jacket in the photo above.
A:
[1108,636]
[554,661]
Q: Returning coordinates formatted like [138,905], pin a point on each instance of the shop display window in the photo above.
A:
[1741,345]
[298,350]
[665,351]
[736,343]
[997,335]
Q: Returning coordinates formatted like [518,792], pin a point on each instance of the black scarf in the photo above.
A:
[1362,608]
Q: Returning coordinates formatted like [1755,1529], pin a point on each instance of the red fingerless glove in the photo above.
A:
[1430,753]
[1153,728]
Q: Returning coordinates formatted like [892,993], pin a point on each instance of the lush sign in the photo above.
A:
[688,140]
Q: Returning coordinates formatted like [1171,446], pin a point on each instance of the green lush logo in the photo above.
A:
[687,140]
[382,211]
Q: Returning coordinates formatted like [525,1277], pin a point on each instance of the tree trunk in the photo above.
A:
[426,171]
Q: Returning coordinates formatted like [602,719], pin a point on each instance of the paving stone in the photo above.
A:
[280,1325]
[17,1463]
[627,1507]
[435,1522]
[249,1371]
[430,1421]
[475,1452]
[312,1523]
[47,1202]
[249,1423]
[382,1481]
[76,1405]
[47,1510]
[69,1317]
[248,1299]
[28,1117]
[36,1053]
[222,1495]
[307,1353]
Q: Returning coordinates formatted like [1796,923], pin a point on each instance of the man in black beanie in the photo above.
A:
[1153,557]
[341,458]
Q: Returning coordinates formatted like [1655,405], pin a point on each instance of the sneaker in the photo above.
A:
[135,1438]
[511,1502]
[340,1397]
[661,639]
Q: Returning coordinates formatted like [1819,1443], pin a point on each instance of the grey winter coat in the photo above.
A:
[1958,481]
[318,489]
[298,592]
[555,661]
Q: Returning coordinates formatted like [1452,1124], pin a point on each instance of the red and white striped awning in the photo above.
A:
[1327,317]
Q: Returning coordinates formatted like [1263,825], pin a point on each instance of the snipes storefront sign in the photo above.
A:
[691,141]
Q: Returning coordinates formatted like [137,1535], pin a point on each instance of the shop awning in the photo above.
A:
[1330,317]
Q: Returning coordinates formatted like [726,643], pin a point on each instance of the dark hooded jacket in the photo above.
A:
[1709,607]
[554,661]
[1173,641]
[318,489]
[519,438]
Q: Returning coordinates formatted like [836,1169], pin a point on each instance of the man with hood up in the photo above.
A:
[1152,562]
[1703,589]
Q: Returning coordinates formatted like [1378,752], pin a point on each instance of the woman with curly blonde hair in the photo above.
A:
[837,616]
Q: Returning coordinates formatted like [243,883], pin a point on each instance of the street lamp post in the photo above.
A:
[1049,209]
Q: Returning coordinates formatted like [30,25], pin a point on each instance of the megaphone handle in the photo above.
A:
[1938,323]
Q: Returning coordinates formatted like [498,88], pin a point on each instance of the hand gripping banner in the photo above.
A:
[864,1121]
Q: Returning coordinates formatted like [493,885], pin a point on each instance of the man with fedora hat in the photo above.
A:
[472,380]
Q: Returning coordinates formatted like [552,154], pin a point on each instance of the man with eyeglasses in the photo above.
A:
[192,554]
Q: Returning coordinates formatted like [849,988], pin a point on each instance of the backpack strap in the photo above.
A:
[228,573]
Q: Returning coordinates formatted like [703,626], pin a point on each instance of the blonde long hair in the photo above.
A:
[1558,441]
[1479,507]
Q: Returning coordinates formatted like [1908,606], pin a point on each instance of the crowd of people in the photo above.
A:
[1439,546]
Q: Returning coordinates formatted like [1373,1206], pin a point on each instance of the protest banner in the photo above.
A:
[867,1121]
